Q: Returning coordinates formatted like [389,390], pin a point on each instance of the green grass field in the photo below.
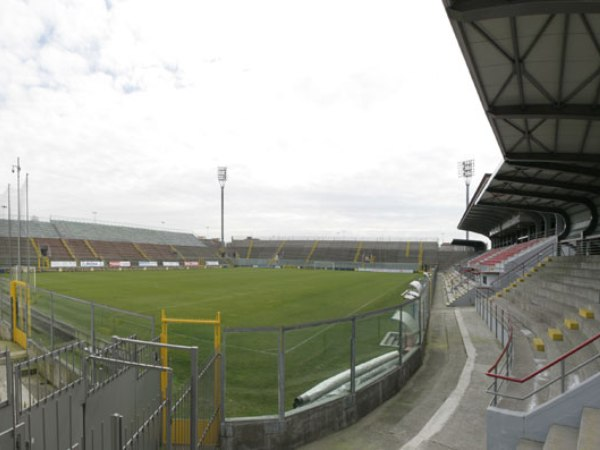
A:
[253,298]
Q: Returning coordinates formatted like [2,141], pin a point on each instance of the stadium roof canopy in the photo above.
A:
[536,68]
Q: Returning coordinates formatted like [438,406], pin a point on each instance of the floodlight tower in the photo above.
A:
[466,169]
[17,168]
[222,177]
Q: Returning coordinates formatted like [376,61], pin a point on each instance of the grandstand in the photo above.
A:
[345,254]
[60,244]
[534,65]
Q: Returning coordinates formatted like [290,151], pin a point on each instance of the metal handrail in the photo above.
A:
[561,358]
[548,384]
[494,366]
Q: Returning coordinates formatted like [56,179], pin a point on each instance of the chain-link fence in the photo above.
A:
[57,320]
[272,370]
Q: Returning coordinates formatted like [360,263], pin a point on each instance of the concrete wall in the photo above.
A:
[313,422]
[505,428]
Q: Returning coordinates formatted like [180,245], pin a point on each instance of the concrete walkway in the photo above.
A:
[443,406]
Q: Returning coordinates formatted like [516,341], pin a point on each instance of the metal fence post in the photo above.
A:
[495,387]
[502,326]
[420,323]
[281,375]
[562,377]
[222,374]
[496,320]
[400,343]
[353,357]
[168,414]
[194,399]
[92,330]
[93,339]
[116,432]
[51,321]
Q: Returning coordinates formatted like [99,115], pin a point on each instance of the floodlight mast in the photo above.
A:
[17,168]
[466,170]
[222,177]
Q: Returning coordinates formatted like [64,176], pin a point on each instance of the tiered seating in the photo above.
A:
[298,249]
[506,253]
[158,252]
[100,232]
[335,251]
[494,259]
[8,249]
[114,251]
[489,254]
[210,250]
[456,285]
[53,249]
[80,250]
[558,301]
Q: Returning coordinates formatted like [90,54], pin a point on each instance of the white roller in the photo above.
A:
[407,320]
[336,381]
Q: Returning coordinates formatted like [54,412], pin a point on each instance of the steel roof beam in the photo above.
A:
[558,167]
[550,183]
[542,209]
[518,158]
[593,210]
[475,10]
[543,112]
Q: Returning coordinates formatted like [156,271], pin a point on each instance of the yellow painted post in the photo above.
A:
[216,323]
[164,357]
[28,300]
[18,334]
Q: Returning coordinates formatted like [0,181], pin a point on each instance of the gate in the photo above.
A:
[197,408]
[21,312]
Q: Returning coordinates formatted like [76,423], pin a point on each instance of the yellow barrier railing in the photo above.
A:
[164,357]
[249,252]
[21,309]
[358,249]
[312,251]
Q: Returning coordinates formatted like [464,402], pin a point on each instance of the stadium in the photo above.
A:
[130,337]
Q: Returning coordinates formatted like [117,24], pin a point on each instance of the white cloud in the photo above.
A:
[331,116]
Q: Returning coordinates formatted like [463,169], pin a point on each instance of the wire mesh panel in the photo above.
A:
[58,319]
[209,403]
[251,362]
[378,335]
[108,322]
[317,362]
[5,301]
[39,378]
[149,435]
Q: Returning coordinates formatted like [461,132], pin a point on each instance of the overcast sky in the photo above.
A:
[334,118]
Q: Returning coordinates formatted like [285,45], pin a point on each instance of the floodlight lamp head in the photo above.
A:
[466,169]
[222,175]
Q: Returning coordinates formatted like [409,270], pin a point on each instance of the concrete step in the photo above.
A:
[589,430]
[561,437]
[587,278]
[526,444]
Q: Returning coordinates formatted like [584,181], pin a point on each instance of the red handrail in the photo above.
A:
[546,367]
[504,350]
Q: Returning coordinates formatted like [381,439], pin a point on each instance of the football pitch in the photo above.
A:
[253,298]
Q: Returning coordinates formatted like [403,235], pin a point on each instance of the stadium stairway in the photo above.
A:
[561,437]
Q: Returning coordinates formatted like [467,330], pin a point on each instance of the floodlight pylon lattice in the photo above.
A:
[222,177]
[466,170]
